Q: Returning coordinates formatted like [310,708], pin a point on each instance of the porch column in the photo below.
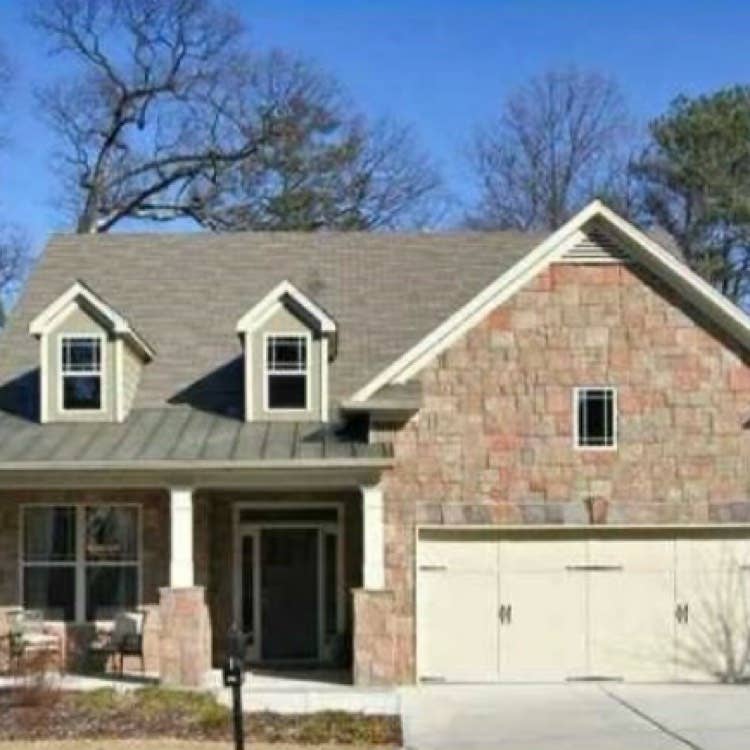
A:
[373,563]
[181,567]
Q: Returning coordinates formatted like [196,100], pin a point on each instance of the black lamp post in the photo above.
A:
[234,675]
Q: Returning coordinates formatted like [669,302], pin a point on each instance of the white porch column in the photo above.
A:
[373,548]
[181,568]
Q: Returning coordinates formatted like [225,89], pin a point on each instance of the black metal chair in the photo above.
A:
[124,639]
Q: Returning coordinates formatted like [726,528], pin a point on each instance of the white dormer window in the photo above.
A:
[286,372]
[81,373]
[288,342]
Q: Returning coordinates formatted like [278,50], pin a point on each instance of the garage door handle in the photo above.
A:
[595,568]
[428,568]
[505,614]
[682,614]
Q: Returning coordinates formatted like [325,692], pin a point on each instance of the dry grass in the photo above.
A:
[139,718]
[162,745]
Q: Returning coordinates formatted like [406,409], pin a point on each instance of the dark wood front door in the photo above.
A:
[289,594]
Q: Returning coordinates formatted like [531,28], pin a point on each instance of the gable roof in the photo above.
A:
[186,292]
[640,247]
[79,293]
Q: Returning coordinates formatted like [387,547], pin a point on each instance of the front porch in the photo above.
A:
[297,568]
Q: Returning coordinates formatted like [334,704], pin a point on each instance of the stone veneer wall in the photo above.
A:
[493,441]
[155,515]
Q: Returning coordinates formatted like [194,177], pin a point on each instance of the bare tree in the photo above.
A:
[14,245]
[557,143]
[151,107]
[324,167]
[169,115]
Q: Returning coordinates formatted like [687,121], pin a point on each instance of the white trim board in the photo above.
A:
[254,317]
[643,249]
[79,293]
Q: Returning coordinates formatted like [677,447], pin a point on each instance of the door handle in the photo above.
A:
[505,614]
[682,614]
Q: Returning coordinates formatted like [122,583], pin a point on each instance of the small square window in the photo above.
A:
[286,372]
[596,418]
[81,373]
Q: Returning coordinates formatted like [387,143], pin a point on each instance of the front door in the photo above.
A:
[289,594]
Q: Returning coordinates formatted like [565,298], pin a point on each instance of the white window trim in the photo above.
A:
[308,370]
[576,426]
[80,563]
[61,338]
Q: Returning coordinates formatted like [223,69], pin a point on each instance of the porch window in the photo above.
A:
[80,562]
[286,372]
[81,373]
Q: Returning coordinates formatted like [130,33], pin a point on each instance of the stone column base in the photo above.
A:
[185,637]
[374,647]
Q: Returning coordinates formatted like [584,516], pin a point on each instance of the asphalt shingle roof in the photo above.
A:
[186,292]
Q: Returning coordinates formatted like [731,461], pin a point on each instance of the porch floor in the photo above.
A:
[302,692]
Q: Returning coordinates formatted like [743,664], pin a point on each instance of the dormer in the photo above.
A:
[90,359]
[288,341]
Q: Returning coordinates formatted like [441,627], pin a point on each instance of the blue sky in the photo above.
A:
[442,66]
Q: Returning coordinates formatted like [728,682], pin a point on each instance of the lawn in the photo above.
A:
[48,719]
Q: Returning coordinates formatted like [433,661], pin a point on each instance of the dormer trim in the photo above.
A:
[80,293]
[286,292]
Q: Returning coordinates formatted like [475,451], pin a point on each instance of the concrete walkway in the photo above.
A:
[577,717]
[302,693]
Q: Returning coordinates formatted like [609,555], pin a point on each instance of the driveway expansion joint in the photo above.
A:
[650,719]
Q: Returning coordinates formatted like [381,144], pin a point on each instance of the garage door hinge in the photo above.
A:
[432,567]
[595,568]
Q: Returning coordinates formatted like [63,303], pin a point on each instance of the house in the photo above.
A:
[497,456]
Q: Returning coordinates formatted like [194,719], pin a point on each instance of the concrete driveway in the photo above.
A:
[580,716]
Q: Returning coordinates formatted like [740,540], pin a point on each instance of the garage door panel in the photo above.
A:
[631,625]
[541,556]
[714,599]
[543,631]
[457,612]
[459,554]
[631,609]
[543,636]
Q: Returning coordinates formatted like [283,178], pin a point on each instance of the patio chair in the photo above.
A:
[124,639]
[29,637]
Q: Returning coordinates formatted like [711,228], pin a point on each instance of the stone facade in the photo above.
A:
[185,640]
[374,638]
[493,443]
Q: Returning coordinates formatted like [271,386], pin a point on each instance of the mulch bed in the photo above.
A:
[152,712]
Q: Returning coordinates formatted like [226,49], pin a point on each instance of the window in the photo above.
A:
[286,372]
[596,418]
[80,562]
[81,373]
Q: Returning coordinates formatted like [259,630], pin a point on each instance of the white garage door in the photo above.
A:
[557,606]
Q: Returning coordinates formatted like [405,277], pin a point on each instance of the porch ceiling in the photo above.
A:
[180,438]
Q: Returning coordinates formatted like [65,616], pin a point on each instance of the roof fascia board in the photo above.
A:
[692,286]
[663,263]
[498,291]
[196,465]
[254,317]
